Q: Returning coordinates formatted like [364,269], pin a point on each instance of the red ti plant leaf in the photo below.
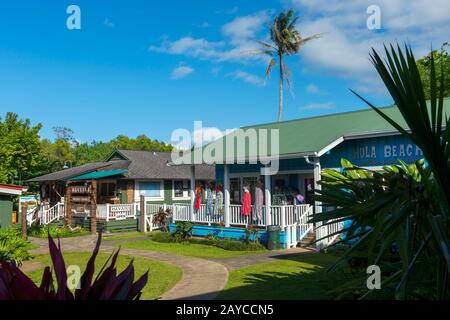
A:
[86,278]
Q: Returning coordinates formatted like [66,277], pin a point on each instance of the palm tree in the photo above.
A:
[285,41]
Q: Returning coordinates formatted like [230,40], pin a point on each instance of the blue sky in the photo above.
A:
[151,67]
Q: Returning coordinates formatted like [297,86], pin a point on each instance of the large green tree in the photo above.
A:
[20,149]
[442,62]
[285,41]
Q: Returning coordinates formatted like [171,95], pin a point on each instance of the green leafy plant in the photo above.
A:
[251,234]
[56,231]
[182,231]
[13,247]
[226,244]
[400,215]
[108,285]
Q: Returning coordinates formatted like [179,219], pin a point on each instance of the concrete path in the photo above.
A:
[201,280]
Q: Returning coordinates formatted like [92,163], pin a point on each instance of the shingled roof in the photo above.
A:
[66,174]
[139,165]
[155,165]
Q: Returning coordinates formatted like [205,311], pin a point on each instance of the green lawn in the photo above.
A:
[185,249]
[162,276]
[125,236]
[298,278]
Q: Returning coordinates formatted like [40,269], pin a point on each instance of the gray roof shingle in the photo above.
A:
[140,165]
[154,165]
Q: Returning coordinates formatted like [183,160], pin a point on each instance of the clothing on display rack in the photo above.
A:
[259,202]
[209,201]
[198,198]
[246,203]
[218,205]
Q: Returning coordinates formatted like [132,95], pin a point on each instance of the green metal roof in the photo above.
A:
[98,175]
[311,135]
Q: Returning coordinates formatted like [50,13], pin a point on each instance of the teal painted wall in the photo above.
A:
[6,206]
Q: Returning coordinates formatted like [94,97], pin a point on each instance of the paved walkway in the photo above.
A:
[201,280]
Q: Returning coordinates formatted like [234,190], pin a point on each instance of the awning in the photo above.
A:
[98,175]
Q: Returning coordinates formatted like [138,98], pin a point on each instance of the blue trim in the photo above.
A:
[228,233]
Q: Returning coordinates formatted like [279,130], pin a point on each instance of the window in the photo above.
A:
[108,189]
[150,189]
[181,188]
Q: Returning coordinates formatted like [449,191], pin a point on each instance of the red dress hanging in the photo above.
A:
[198,199]
[247,204]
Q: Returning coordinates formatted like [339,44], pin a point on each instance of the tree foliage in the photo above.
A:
[442,62]
[20,152]
[23,154]
[285,41]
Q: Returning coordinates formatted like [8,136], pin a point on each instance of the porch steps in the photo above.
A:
[308,241]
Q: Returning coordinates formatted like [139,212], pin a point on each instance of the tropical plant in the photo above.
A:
[13,247]
[108,285]
[56,231]
[251,234]
[162,218]
[285,41]
[182,231]
[400,215]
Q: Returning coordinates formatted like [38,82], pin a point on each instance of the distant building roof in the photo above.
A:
[133,165]
[10,189]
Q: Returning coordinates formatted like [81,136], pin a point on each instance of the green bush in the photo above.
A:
[226,244]
[56,231]
[13,247]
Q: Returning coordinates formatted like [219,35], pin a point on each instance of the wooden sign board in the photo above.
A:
[81,189]
[82,199]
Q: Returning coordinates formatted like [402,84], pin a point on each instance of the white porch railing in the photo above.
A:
[326,234]
[292,219]
[52,214]
[32,215]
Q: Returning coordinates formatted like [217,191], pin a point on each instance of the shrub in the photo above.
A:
[13,247]
[182,231]
[56,231]
[226,244]
[108,285]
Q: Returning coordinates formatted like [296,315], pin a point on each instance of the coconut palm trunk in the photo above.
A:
[280,106]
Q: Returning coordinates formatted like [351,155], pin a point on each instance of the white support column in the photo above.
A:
[317,178]
[226,190]
[268,197]
[192,187]
[320,232]
[107,211]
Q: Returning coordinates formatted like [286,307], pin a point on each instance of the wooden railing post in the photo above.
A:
[142,225]
[23,219]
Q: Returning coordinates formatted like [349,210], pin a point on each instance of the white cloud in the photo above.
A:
[200,138]
[248,77]
[312,88]
[181,72]
[318,106]
[345,46]
[240,35]
[109,24]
